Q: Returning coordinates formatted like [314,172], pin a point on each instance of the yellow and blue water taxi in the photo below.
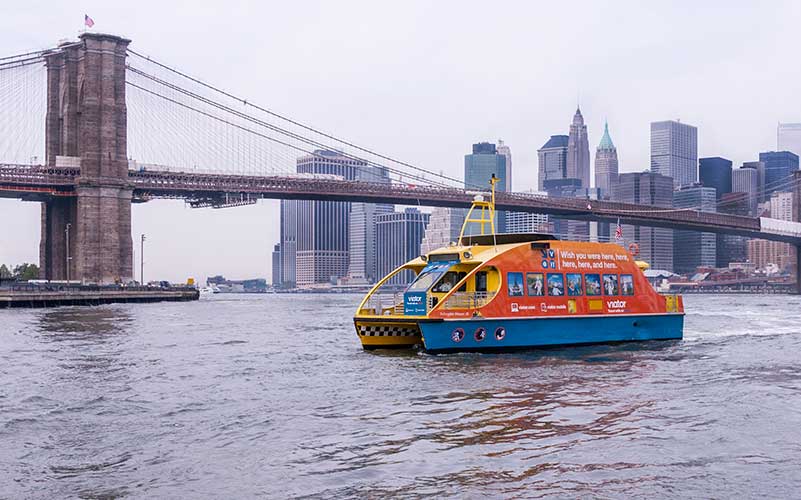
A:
[494,292]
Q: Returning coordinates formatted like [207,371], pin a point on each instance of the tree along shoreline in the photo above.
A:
[21,272]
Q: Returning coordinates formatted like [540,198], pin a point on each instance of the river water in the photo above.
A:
[272,396]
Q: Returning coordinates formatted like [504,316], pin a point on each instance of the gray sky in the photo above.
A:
[422,81]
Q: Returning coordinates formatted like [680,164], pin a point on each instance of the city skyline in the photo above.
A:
[658,77]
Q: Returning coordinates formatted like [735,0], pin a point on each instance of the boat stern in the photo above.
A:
[380,333]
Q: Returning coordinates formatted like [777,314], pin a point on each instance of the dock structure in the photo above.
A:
[32,296]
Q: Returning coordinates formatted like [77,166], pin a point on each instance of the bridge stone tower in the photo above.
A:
[87,123]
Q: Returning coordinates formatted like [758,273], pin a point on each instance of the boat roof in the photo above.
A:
[504,238]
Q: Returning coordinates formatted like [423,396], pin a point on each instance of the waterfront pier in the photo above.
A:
[53,295]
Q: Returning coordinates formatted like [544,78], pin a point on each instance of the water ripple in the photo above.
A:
[271,396]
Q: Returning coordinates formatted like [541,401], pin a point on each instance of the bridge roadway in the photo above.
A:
[36,183]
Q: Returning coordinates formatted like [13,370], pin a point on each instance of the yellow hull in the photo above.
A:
[377,334]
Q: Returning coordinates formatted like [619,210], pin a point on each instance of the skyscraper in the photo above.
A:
[552,160]
[715,172]
[361,240]
[526,222]
[398,238]
[606,167]
[746,180]
[674,151]
[763,252]
[289,242]
[578,151]
[692,249]
[276,265]
[779,168]
[788,137]
[570,188]
[443,228]
[506,152]
[486,160]
[647,188]
[482,164]
[781,206]
[732,248]
[314,233]
[479,167]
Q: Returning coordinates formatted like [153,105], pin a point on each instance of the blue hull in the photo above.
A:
[522,333]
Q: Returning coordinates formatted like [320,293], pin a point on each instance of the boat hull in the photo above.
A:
[524,333]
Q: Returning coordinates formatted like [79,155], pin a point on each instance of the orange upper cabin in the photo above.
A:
[529,278]
[553,278]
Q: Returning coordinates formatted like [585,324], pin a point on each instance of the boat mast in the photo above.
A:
[487,208]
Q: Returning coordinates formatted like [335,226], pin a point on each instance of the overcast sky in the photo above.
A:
[423,80]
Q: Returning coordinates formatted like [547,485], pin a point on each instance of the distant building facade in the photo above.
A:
[674,151]
[693,249]
[763,253]
[578,151]
[289,242]
[314,233]
[506,152]
[788,137]
[570,188]
[362,242]
[525,222]
[746,180]
[715,172]
[398,238]
[779,168]
[781,206]
[552,159]
[648,188]
[606,164]
[361,237]
[733,248]
[479,167]
[443,228]
[276,261]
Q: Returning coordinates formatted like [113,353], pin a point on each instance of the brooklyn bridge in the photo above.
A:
[119,127]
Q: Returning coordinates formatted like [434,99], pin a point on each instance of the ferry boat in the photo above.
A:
[495,292]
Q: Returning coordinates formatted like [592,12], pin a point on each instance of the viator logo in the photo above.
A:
[616,304]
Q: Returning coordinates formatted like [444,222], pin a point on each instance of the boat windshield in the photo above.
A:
[425,279]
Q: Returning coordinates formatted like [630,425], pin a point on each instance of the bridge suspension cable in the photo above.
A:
[254,120]
[428,176]
[22,108]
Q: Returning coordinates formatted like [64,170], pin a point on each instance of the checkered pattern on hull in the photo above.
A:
[387,331]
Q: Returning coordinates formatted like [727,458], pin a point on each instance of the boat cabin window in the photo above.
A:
[447,282]
[515,284]
[627,284]
[481,281]
[535,284]
[593,284]
[575,284]
[556,284]
[610,284]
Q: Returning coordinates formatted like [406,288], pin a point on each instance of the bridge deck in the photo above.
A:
[202,189]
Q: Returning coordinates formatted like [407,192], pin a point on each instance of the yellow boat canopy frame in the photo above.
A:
[487,212]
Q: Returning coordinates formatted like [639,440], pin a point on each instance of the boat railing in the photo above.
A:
[468,300]
[384,303]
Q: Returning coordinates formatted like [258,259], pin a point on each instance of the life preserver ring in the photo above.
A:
[634,249]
